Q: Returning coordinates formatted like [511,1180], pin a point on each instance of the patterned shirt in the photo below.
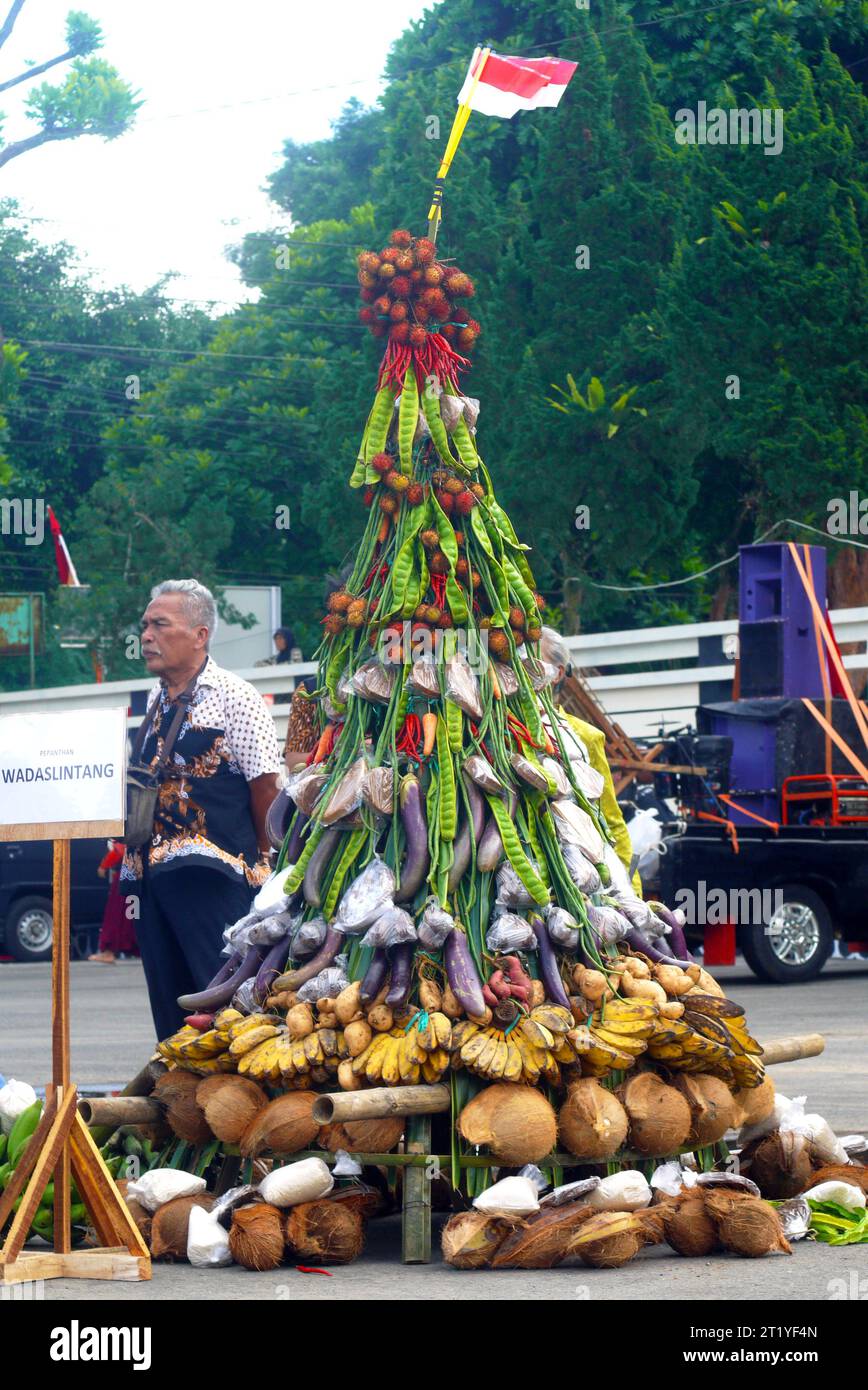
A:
[203,812]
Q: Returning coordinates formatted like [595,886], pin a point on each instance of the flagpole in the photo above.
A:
[462,116]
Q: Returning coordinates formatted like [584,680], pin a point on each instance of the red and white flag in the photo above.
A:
[65,567]
[507,85]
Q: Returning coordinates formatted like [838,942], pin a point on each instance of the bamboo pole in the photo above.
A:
[380,1103]
[112,1111]
[792,1049]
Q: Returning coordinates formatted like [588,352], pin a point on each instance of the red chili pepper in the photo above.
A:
[438,585]
[410,737]
[309,1269]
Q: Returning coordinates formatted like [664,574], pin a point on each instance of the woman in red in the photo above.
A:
[118,933]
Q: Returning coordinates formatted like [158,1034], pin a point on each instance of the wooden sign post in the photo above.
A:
[62,778]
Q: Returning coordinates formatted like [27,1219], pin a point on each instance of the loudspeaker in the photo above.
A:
[761,658]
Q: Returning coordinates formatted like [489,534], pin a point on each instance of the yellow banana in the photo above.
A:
[245,1041]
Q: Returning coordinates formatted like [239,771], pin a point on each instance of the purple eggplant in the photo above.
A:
[417,860]
[229,966]
[293,849]
[463,849]
[374,978]
[215,996]
[548,963]
[462,975]
[401,961]
[677,939]
[270,969]
[277,818]
[489,846]
[316,866]
[294,979]
[637,941]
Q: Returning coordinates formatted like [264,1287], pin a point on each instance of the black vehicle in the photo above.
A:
[25,897]
[787,893]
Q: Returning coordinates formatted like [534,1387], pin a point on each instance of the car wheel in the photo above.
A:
[29,929]
[796,941]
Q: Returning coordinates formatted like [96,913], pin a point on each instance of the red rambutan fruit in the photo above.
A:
[367,296]
[400,332]
[396,481]
[445,620]
[424,250]
[334,623]
[466,339]
[398,310]
[416,276]
[405,262]
[415,495]
[400,287]
[400,237]
[366,279]
[474,327]
[367,316]
[448,330]
[382,463]
[368,496]
[464,503]
[439,306]
[438,564]
[534,634]
[387,255]
[516,617]
[429,538]
[357,612]
[447,502]
[476,579]
[389,505]
[453,485]
[417,335]
[421,311]
[459,285]
[432,275]
[462,569]
[383,304]
[387,271]
[478,490]
[369,261]
[459,540]
[339,601]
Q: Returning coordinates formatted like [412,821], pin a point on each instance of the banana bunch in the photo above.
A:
[711,1036]
[195,1051]
[406,1056]
[531,1050]
[615,1035]
[317,1055]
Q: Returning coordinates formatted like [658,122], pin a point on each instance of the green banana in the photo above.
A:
[21,1131]
[4,1139]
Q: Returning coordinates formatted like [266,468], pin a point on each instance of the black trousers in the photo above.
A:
[182,914]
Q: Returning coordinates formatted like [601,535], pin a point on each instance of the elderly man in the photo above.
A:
[208,849]
[592,743]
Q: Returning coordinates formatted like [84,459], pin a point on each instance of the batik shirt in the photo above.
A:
[203,810]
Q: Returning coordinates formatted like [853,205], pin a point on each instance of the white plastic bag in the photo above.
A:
[305,1181]
[367,896]
[772,1121]
[671,1178]
[628,1191]
[509,1197]
[163,1185]
[345,1165]
[207,1240]
[815,1129]
[15,1098]
[271,897]
[509,932]
[846,1194]
[393,927]
[327,984]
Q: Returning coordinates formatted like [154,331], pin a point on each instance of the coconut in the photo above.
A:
[176,1090]
[779,1164]
[688,1226]
[754,1103]
[592,1121]
[284,1126]
[256,1236]
[712,1107]
[140,1214]
[230,1103]
[651,1222]
[328,1232]
[543,1240]
[169,1226]
[471,1238]
[608,1239]
[659,1115]
[516,1123]
[747,1225]
[852,1173]
[362,1136]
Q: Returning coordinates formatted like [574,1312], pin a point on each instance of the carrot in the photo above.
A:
[429,731]
[322,749]
[495,683]
[383,533]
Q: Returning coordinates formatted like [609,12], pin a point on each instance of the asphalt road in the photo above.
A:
[112,1037]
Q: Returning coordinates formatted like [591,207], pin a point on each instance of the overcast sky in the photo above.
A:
[224,84]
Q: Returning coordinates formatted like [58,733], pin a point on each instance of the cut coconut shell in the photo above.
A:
[283,1126]
[515,1123]
[659,1115]
[363,1136]
[652,1225]
[608,1239]
[169,1226]
[592,1121]
[779,1164]
[747,1225]
[688,1226]
[325,1232]
[852,1173]
[256,1236]
[367,1201]
[471,1238]
[230,1104]
[754,1103]
[543,1240]
[712,1107]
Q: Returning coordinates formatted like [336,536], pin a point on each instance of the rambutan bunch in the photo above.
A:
[408,295]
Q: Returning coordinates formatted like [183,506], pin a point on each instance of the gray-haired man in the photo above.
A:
[207,852]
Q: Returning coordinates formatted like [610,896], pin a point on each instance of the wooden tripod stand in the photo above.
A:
[62,1145]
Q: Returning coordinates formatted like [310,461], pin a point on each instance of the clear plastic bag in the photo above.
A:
[609,924]
[269,930]
[581,870]
[305,788]
[393,927]
[563,928]
[424,679]
[373,681]
[508,932]
[347,795]
[529,772]
[15,1098]
[207,1240]
[575,827]
[483,774]
[161,1185]
[367,896]
[462,687]
[435,926]
[345,1166]
[558,776]
[327,984]
[506,679]
[570,1192]
[540,673]
[244,999]
[308,938]
[511,892]
[378,790]
[271,896]
[625,1191]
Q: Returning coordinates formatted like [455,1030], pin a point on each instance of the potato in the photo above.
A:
[380,1018]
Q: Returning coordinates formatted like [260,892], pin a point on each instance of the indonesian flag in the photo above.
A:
[65,567]
[508,85]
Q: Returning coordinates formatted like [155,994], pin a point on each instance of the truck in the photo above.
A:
[26,891]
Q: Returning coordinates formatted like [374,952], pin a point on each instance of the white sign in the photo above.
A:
[63,767]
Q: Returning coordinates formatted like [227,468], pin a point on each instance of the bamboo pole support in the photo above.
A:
[111,1111]
[380,1103]
[416,1222]
[792,1049]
